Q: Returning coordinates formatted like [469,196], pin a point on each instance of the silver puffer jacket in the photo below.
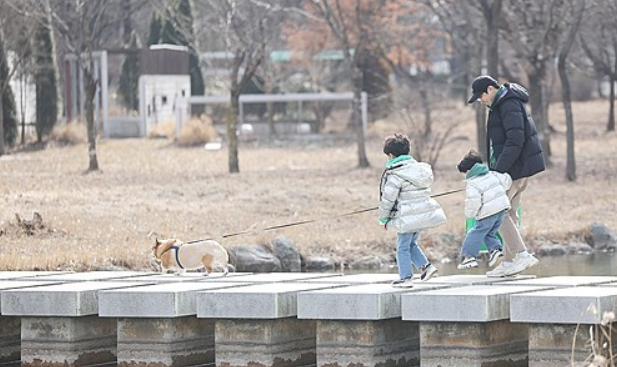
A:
[405,196]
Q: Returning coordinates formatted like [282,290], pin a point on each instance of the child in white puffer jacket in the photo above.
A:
[486,201]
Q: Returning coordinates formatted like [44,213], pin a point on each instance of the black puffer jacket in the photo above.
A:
[513,134]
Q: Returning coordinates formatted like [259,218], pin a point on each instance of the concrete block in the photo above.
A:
[259,301]
[564,306]
[565,281]
[94,276]
[467,280]
[359,302]
[553,345]
[185,278]
[182,341]
[374,343]
[279,277]
[283,342]
[17,275]
[462,304]
[155,301]
[470,344]
[355,279]
[67,341]
[10,341]
[68,299]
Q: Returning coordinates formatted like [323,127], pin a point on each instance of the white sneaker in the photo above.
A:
[428,271]
[498,272]
[521,263]
[402,283]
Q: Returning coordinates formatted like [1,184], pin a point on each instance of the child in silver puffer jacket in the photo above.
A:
[406,206]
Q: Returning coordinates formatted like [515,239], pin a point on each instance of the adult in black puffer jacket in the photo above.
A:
[513,148]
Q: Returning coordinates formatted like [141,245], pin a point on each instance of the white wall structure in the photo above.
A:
[158,99]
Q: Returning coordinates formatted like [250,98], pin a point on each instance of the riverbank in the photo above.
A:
[102,220]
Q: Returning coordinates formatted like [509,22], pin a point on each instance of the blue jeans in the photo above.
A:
[407,253]
[485,230]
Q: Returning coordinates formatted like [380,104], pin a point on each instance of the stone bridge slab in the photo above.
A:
[467,280]
[93,276]
[358,302]
[17,275]
[564,306]
[165,300]
[565,281]
[481,303]
[258,301]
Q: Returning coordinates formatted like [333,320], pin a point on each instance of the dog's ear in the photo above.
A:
[157,243]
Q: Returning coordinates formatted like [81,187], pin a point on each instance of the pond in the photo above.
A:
[594,264]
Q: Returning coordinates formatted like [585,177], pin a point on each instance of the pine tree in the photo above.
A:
[45,79]
[129,78]
[178,30]
[154,35]
[8,110]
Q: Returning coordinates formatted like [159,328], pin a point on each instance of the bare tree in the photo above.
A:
[85,25]
[465,26]
[578,8]
[244,28]
[533,29]
[350,23]
[598,40]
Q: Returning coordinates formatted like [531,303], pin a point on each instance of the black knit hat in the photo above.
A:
[480,85]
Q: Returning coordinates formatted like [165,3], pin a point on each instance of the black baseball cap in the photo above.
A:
[480,85]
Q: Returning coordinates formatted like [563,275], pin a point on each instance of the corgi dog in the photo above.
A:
[173,254]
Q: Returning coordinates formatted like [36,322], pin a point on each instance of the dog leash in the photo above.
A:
[307,221]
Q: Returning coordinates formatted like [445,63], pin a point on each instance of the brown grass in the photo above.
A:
[102,219]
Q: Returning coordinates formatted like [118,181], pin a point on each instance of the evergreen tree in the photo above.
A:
[129,77]
[45,79]
[154,35]
[8,110]
[178,30]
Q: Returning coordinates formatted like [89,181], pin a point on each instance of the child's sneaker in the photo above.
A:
[428,271]
[402,283]
[494,258]
[468,263]
[498,272]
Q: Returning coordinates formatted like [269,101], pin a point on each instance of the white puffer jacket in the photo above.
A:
[486,194]
[405,196]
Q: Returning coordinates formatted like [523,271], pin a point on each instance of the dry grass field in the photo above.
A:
[102,219]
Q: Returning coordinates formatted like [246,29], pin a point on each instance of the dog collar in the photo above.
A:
[177,248]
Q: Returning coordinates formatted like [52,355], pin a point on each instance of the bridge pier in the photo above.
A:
[285,342]
[10,335]
[491,344]
[67,341]
[391,342]
[184,341]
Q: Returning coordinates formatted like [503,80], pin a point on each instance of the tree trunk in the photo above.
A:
[481,130]
[90,95]
[232,138]
[357,116]
[610,126]
[536,99]
[1,118]
[567,105]
[425,99]
[492,14]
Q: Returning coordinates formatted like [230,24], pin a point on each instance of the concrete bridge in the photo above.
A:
[296,319]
